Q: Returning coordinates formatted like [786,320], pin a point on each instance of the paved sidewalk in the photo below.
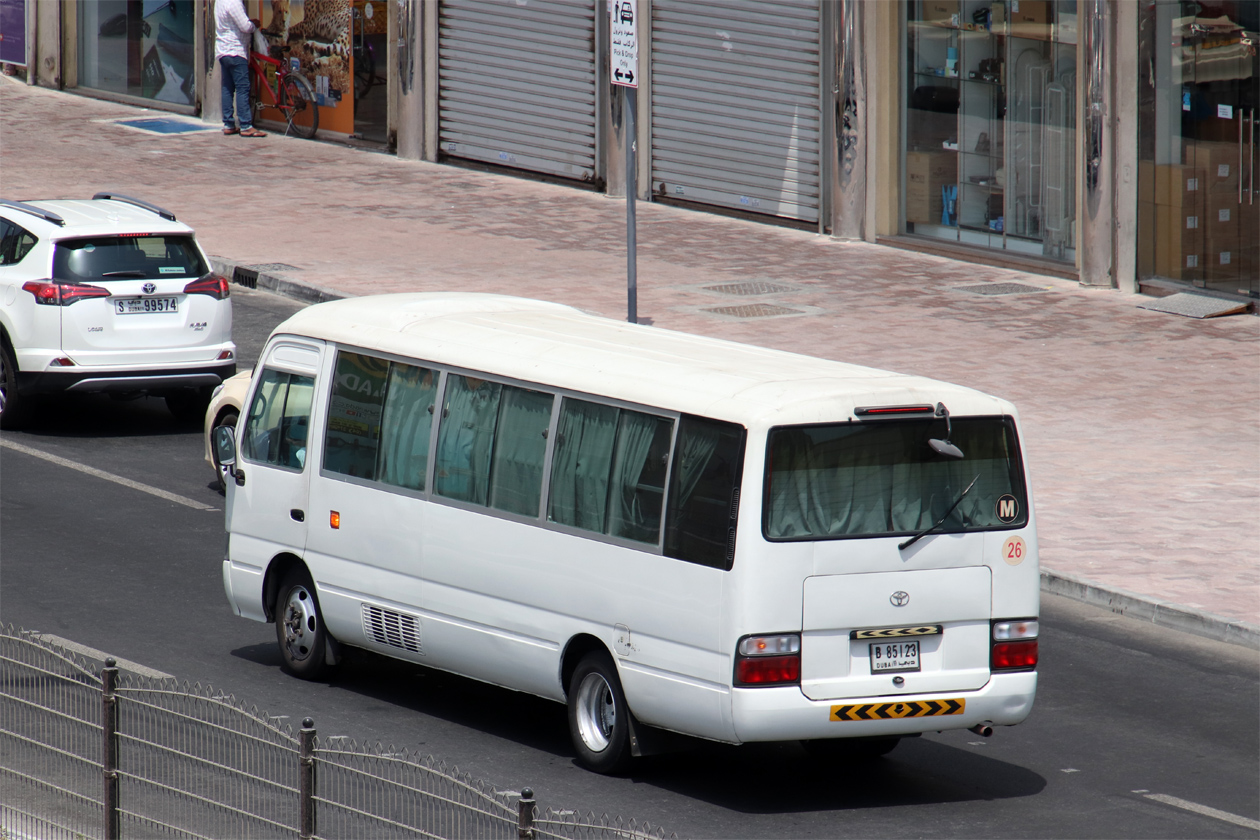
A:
[1142,429]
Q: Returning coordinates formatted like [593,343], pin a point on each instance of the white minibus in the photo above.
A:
[668,533]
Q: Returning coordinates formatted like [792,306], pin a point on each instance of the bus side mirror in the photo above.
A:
[224,438]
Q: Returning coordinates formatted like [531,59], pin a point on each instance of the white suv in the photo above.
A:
[108,294]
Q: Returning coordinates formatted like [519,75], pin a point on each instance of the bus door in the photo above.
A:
[267,502]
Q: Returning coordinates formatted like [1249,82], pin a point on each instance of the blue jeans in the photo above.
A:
[235,85]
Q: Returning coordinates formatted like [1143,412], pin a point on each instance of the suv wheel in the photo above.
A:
[13,405]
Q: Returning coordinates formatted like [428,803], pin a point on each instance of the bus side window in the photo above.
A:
[465,438]
[608,470]
[354,415]
[277,426]
[520,445]
[704,492]
[403,459]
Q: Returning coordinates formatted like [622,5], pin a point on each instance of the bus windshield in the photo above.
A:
[844,480]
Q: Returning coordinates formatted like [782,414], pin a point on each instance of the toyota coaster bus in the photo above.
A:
[666,532]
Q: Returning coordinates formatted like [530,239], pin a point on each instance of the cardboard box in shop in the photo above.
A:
[1222,263]
[1217,160]
[926,174]
[1030,19]
[1221,218]
[1146,181]
[942,12]
[1177,185]
[1180,246]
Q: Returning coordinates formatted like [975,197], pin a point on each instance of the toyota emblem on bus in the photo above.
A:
[899,598]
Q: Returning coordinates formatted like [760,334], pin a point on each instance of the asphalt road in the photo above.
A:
[1137,731]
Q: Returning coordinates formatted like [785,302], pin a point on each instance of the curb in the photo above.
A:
[1145,608]
[1121,601]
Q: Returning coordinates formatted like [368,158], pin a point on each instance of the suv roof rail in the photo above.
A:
[34,211]
[165,214]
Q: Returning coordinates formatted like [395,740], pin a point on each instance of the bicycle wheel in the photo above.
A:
[297,103]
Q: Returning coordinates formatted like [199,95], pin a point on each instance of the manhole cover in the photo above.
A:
[754,310]
[755,287]
[165,125]
[1194,306]
[274,267]
[993,289]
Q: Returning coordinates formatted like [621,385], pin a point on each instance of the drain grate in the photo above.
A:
[754,310]
[165,125]
[1194,306]
[274,267]
[755,287]
[243,276]
[994,289]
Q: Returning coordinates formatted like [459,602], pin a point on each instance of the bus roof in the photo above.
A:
[552,344]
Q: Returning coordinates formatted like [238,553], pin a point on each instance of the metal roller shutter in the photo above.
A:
[516,84]
[735,104]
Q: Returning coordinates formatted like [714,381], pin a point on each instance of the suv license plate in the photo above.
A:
[145,306]
[888,657]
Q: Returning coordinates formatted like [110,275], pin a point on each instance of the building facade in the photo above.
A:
[1110,141]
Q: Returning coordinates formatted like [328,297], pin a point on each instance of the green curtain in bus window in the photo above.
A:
[581,465]
[637,490]
[708,460]
[354,415]
[465,438]
[847,480]
[406,424]
[520,444]
[277,426]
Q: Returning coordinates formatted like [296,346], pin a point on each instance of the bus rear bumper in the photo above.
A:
[785,714]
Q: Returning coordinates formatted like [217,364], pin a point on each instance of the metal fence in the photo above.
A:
[95,753]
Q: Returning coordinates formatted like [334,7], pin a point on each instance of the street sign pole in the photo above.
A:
[624,58]
[632,271]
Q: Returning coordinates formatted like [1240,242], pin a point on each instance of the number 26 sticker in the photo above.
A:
[1014,550]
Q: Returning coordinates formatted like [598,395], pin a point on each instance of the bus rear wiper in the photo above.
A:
[903,546]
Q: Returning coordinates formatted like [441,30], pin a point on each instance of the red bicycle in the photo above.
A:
[292,95]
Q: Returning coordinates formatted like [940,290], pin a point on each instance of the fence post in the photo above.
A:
[525,815]
[109,751]
[306,780]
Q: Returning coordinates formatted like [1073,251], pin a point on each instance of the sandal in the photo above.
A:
[230,131]
[252,132]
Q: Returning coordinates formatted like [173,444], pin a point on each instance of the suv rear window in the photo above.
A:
[149,257]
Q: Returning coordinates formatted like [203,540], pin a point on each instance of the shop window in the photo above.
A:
[140,48]
[991,124]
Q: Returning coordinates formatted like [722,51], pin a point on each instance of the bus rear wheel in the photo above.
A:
[599,721]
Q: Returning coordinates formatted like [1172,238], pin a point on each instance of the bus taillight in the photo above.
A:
[1015,645]
[768,660]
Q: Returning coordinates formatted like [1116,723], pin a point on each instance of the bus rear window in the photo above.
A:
[883,479]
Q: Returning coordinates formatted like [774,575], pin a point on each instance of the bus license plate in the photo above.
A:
[145,306]
[894,656]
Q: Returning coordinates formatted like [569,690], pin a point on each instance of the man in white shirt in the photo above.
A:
[232,29]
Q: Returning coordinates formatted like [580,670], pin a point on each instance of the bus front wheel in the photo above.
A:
[300,629]
[599,721]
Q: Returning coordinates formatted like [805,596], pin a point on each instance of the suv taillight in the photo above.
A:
[768,660]
[62,294]
[1015,644]
[213,285]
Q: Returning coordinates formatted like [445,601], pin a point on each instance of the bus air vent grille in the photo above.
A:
[386,627]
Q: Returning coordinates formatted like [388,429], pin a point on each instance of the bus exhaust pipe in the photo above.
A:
[984,730]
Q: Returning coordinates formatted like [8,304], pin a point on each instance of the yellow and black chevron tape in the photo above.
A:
[895,711]
[897,632]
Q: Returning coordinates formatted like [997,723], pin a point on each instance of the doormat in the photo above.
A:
[1195,306]
[165,125]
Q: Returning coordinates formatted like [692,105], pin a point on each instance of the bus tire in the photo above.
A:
[850,749]
[300,631]
[599,720]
